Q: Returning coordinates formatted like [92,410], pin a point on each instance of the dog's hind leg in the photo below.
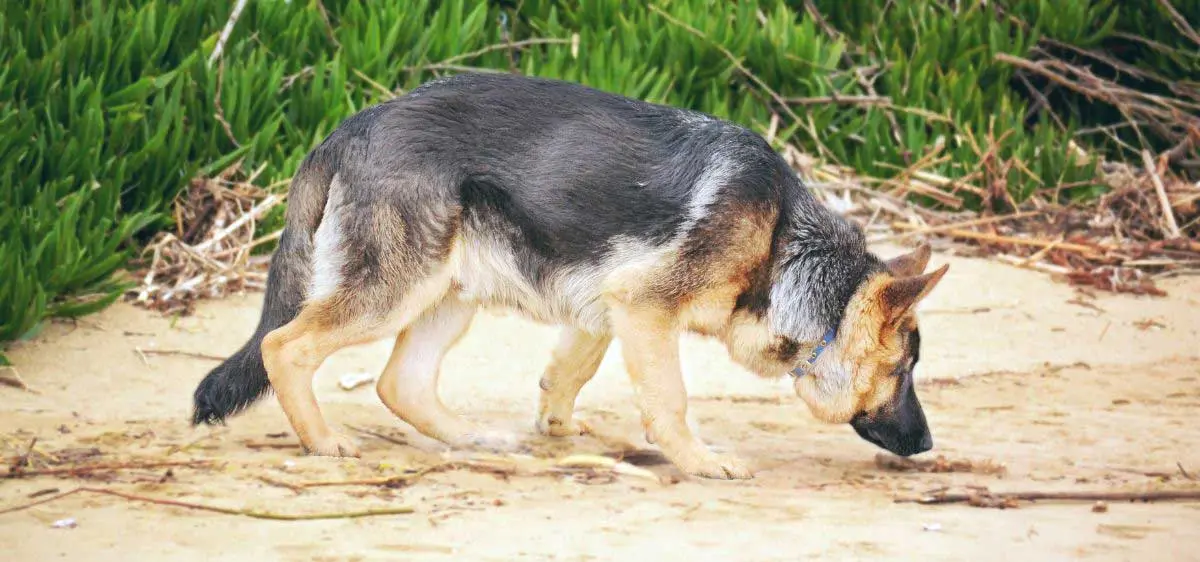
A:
[292,354]
[574,362]
[377,264]
[409,383]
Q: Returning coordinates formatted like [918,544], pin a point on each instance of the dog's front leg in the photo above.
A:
[650,345]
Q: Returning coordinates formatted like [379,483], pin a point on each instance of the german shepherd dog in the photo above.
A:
[609,216]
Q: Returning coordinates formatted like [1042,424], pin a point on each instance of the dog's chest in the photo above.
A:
[488,273]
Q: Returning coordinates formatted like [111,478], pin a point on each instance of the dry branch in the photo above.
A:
[1161,191]
[1180,22]
[209,255]
[78,470]
[1171,117]
[1009,499]
[183,353]
[253,513]
[226,31]
[9,376]
[1009,240]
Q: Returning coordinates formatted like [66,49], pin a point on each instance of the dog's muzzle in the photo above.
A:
[898,427]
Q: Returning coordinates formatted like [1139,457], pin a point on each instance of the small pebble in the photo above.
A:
[1100,507]
[352,381]
[65,524]
[935,527]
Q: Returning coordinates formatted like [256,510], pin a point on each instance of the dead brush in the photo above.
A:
[209,254]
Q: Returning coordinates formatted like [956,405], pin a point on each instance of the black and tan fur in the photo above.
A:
[611,217]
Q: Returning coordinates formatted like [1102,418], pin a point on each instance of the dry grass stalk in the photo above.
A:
[1161,191]
[209,254]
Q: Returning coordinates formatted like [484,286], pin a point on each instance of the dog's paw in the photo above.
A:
[707,464]
[335,445]
[552,426]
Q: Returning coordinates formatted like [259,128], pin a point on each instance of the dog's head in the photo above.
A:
[864,376]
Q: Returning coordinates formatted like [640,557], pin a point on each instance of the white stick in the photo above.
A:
[1151,169]
[267,203]
[233,17]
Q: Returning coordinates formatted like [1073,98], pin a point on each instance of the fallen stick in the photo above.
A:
[964,224]
[394,481]
[18,473]
[1025,263]
[258,445]
[184,353]
[10,377]
[378,435]
[281,484]
[1150,496]
[999,239]
[1161,190]
[251,215]
[181,448]
[387,481]
[256,514]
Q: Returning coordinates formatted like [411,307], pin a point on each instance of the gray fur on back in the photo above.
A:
[555,185]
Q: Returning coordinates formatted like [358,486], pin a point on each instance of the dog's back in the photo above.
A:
[553,188]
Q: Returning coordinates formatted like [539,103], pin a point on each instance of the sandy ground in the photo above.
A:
[1069,393]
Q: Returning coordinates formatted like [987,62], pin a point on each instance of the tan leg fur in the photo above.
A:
[574,362]
[409,383]
[292,354]
[650,344]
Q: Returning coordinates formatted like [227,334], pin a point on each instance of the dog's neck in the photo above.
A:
[818,262]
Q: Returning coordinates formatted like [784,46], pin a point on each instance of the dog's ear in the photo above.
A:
[900,295]
[912,263]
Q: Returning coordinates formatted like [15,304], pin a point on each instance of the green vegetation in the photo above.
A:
[110,108]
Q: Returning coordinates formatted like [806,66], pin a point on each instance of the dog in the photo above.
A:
[608,216]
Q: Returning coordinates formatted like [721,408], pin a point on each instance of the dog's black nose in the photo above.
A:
[926,443]
[912,445]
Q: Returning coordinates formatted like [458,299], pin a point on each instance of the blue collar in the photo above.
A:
[816,352]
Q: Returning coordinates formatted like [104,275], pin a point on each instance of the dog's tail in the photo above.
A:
[241,380]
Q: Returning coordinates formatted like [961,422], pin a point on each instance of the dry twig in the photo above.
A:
[85,469]
[1180,22]
[210,253]
[253,513]
[183,353]
[226,31]
[10,377]
[1161,190]
[1009,499]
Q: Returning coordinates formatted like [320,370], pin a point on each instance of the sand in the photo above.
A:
[1068,393]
